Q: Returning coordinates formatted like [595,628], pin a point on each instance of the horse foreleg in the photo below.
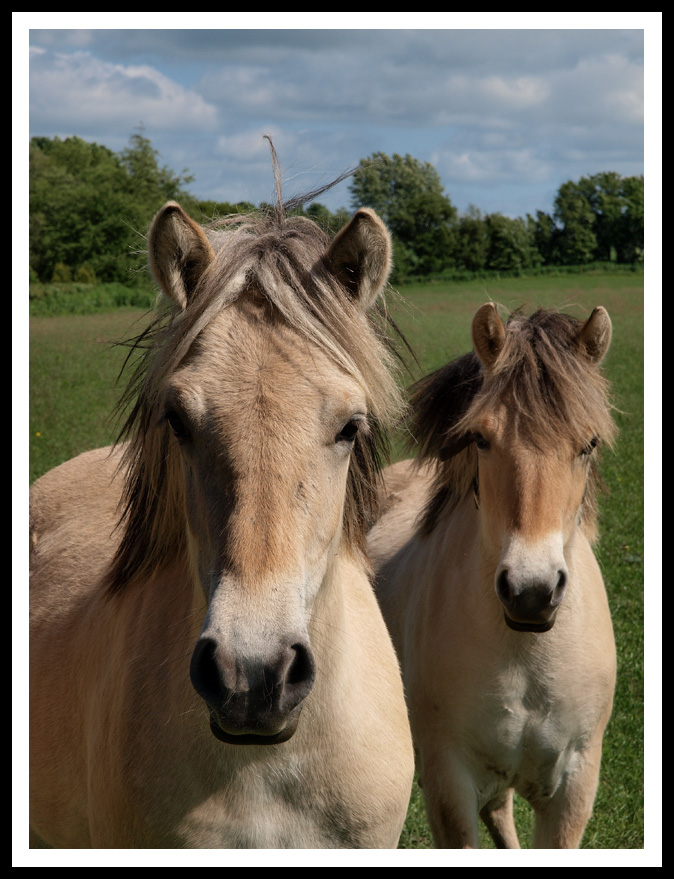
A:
[499,821]
[451,804]
[561,822]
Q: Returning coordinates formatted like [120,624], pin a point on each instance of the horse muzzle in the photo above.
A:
[530,606]
[252,701]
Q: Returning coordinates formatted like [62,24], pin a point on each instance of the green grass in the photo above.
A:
[73,370]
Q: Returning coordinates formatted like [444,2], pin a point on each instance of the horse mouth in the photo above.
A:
[251,738]
[517,626]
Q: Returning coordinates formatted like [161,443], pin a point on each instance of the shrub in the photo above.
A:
[85,275]
[61,274]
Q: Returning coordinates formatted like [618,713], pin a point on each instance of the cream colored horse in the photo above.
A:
[489,585]
[213,670]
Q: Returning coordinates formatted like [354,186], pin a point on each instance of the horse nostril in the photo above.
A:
[301,672]
[204,672]
[560,588]
[503,586]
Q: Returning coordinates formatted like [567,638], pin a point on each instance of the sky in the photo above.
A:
[504,114]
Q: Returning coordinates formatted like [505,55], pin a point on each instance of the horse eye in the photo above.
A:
[481,442]
[180,432]
[348,433]
[590,447]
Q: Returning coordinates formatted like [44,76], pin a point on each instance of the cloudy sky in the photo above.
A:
[504,114]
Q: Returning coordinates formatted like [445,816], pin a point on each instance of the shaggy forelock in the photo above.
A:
[551,391]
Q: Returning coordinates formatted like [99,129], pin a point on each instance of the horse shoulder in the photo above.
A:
[403,494]
[73,491]
[392,542]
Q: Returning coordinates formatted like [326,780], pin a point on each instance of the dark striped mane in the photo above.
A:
[549,388]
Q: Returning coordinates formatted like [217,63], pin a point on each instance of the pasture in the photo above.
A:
[72,384]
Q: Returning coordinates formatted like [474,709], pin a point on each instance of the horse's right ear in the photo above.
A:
[360,256]
[179,252]
[488,334]
[595,335]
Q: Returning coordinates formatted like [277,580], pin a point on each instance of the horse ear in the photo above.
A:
[595,335]
[360,256]
[179,252]
[488,334]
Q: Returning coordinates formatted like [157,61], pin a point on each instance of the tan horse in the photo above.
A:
[489,585]
[213,670]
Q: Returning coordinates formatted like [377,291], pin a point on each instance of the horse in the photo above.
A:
[209,667]
[488,582]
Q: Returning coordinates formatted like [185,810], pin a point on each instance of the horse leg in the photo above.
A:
[451,803]
[561,822]
[498,818]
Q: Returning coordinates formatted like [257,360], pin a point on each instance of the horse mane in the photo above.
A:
[551,391]
[280,257]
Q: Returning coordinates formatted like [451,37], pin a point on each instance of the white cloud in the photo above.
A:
[481,165]
[78,91]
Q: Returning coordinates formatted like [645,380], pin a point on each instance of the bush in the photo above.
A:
[85,275]
[59,299]
[61,274]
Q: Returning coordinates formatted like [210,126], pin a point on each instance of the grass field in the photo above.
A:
[74,367]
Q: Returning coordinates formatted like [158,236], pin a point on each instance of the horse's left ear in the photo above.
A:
[595,335]
[179,252]
[488,334]
[360,256]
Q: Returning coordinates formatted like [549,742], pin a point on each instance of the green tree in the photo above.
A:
[408,195]
[328,221]
[632,247]
[424,227]
[577,242]
[148,180]
[89,205]
[604,195]
[471,242]
[511,244]
[601,215]
[544,235]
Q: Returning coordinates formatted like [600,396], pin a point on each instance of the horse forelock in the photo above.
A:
[281,260]
[549,389]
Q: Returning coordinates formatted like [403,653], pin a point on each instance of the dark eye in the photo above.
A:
[480,442]
[590,447]
[348,433]
[180,432]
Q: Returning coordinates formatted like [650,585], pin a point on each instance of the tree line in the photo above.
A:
[91,207]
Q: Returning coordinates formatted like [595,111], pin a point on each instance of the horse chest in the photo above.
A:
[522,737]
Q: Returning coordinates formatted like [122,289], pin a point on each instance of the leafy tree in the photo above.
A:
[604,195]
[471,243]
[511,245]
[149,181]
[632,249]
[408,195]
[544,236]
[424,228]
[328,221]
[603,214]
[89,205]
[577,241]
